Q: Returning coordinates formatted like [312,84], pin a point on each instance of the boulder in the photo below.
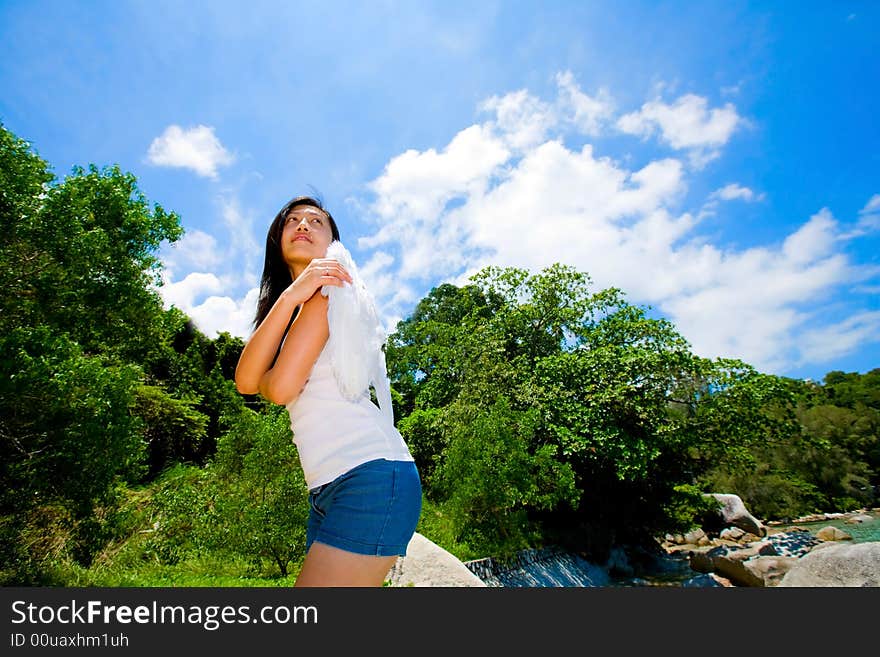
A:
[705,581]
[748,566]
[733,512]
[769,570]
[831,533]
[694,537]
[838,564]
[859,519]
[428,564]
[732,533]
[761,563]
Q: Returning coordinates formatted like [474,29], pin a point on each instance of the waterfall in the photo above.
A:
[539,567]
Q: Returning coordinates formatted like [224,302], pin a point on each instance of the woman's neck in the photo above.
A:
[297,268]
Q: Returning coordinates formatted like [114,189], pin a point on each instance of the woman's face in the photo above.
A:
[307,234]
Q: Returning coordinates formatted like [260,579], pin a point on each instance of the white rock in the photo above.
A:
[428,564]
[839,564]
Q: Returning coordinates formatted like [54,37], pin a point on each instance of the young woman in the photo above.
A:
[364,490]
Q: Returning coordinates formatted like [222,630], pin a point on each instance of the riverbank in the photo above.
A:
[672,564]
[687,565]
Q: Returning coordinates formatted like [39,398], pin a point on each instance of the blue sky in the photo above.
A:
[718,161]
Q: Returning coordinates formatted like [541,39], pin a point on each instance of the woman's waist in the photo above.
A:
[334,410]
[319,436]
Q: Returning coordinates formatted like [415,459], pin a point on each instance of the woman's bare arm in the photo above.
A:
[256,357]
[307,336]
[255,362]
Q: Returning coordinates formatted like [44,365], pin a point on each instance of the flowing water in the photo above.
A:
[558,568]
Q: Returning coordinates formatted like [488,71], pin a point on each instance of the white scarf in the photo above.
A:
[356,341]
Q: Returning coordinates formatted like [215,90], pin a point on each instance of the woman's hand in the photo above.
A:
[318,273]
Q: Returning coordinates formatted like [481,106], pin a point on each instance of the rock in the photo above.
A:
[722,581]
[704,581]
[859,519]
[707,561]
[839,564]
[701,562]
[770,569]
[831,533]
[736,571]
[761,563]
[732,533]
[427,564]
[694,537]
[767,549]
[747,567]
[824,544]
[734,512]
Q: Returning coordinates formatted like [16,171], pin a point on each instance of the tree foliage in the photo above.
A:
[66,437]
[534,377]
[93,391]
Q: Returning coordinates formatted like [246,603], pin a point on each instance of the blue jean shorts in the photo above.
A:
[371,509]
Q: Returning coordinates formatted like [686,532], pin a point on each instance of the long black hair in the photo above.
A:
[276,274]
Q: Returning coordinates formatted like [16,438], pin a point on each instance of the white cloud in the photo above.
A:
[197,149]
[824,344]
[197,295]
[871,206]
[687,124]
[521,119]
[183,293]
[217,314]
[813,240]
[734,191]
[523,198]
[869,220]
[588,114]
[203,272]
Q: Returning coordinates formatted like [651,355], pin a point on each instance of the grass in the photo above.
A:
[196,572]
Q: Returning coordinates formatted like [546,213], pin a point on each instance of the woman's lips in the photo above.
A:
[305,238]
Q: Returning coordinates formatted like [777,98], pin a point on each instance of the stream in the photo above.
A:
[557,568]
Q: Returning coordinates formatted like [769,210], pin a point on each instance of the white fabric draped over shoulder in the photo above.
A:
[357,338]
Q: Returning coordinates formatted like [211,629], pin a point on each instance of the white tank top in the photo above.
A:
[334,434]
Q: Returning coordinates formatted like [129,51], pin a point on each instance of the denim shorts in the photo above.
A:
[371,509]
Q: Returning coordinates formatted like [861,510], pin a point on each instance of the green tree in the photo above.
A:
[592,386]
[851,388]
[66,438]
[173,429]
[828,463]
[425,350]
[262,508]
[492,476]
[78,272]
